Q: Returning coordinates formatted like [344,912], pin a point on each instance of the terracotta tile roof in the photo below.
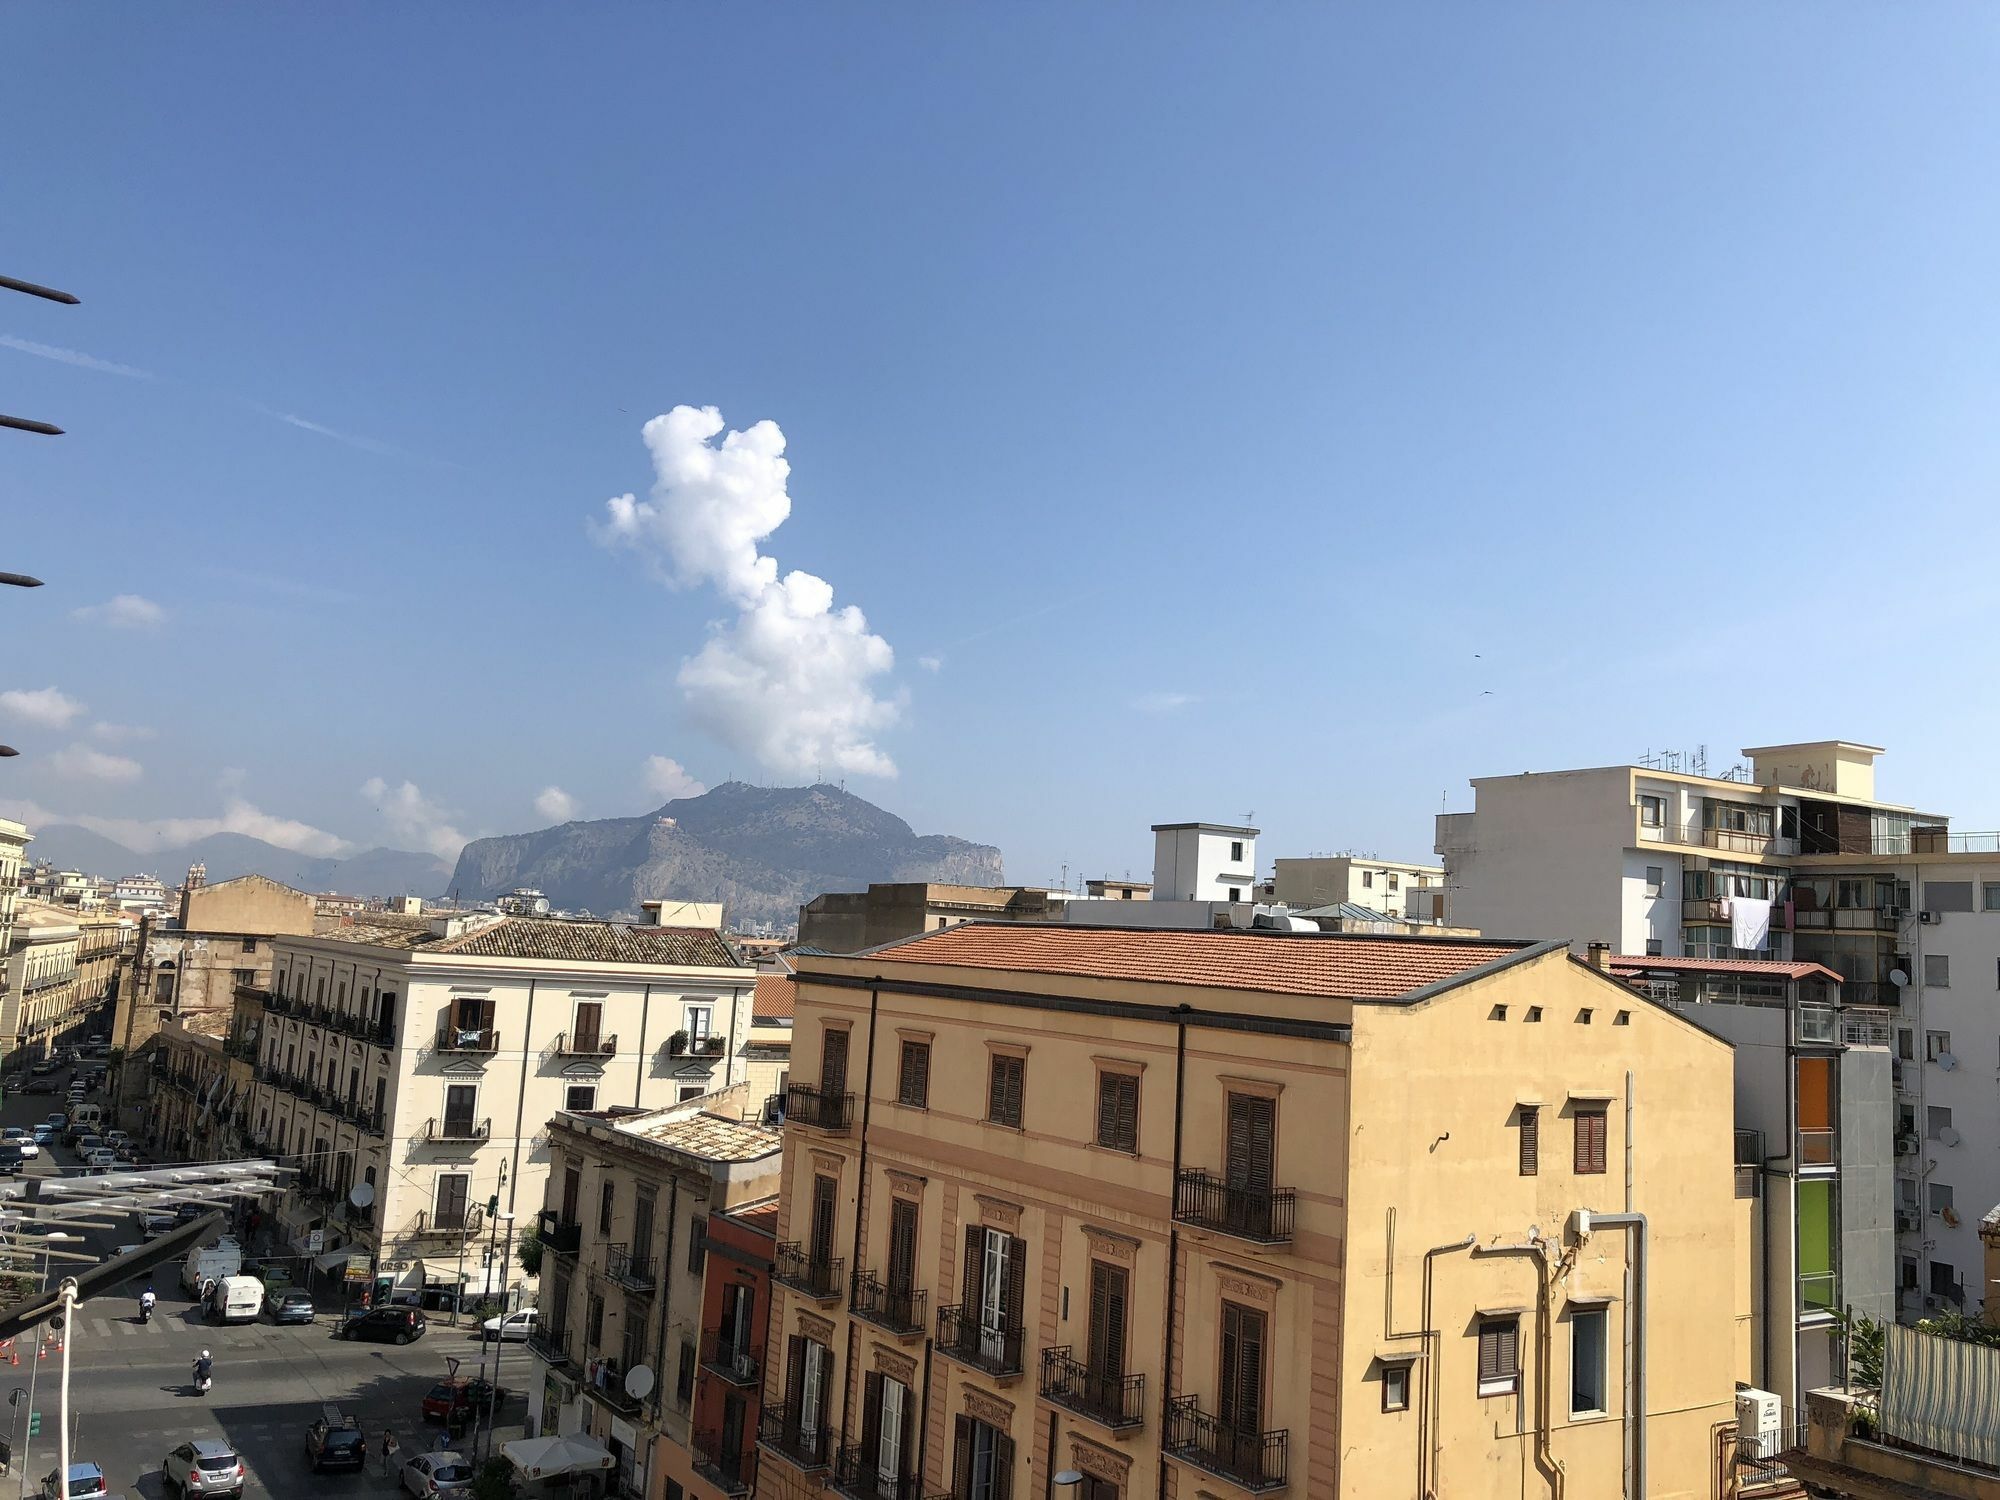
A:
[761,1218]
[540,937]
[1336,965]
[777,998]
[1623,964]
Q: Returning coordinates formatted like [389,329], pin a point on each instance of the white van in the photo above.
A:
[236,1299]
[205,1266]
[85,1118]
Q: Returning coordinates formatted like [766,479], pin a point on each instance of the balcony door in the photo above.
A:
[589,1024]
[732,1431]
[453,1191]
[902,1249]
[461,1101]
[471,1019]
[833,1063]
[812,1390]
[737,1304]
[1240,1386]
[1109,1294]
[982,1461]
[886,1422]
[572,1191]
[997,1273]
[1252,1148]
[824,1189]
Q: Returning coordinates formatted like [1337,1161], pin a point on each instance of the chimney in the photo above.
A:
[1600,957]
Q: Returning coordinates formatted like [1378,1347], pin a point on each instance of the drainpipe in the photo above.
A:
[1428,1414]
[1173,1241]
[1545,1459]
[861,1199]
[1635,1370]
[521,1101]
[639,1072]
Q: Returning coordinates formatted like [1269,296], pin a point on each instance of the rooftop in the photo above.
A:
[1334,965]
[761,1216]
[538,937]
[1207,828]
[777,998]
[1628,963]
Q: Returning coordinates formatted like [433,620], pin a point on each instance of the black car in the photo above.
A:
[335,1442]
[385,1325]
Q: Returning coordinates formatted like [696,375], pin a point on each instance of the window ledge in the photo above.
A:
[1508,1387]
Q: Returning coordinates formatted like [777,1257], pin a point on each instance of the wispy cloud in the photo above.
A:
[105,730]
[412,816]
[91,764]
[285,587]
[1163,702]
[668,778]
[555,804]
[48,707]
[931,663]
[306,424]
[144,834]
[124,612]
[74,357]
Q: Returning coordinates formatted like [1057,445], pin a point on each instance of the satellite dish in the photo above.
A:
[1949,1136]
[639,1382]
[1898,978]
[361,1194]
[1946,1061]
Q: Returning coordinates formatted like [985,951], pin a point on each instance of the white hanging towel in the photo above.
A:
[1749,922]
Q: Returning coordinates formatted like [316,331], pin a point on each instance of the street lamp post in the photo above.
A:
[498,1341]
[49,1241]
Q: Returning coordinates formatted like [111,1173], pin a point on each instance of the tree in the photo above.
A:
[528,1248]
[1864,1350]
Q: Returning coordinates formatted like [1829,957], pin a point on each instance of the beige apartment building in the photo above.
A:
[624,1249]
[1225,1213]
[424,1057]
[1393,888]
[41,999]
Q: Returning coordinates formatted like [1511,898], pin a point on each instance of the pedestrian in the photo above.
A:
[388,1452]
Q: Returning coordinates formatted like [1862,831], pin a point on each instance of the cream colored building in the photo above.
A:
[1226,1213]
[1394,888]
[41,1000]
[425,1057]
[14,839]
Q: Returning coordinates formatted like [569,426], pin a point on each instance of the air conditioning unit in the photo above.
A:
[1930,1302]
[1894,913]
[1760,1420]
[744,1365]
[1928,918]
[1906,1221]
[1906,1145]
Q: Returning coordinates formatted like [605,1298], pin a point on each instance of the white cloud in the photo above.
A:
[143,834]
[44,706]
[413,818]
[555,804]
[668,779]
[106,730]
[931,663]
[73,357]
[93,764]
[791,679]
[124,612]
[1163,702]
[291,419]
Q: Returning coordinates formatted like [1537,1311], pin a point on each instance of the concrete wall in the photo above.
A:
[1543,857]
[1193,864]
[1867,1184]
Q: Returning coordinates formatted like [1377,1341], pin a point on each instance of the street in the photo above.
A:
[131,1397]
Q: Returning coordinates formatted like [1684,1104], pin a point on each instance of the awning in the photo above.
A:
[328,1259]
[546,1457]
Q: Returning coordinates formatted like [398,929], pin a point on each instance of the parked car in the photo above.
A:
[56,1121]
[335,1442]
[26,1149]
[39,1086]
[13,1080]
[515,1326]
[154,1222]
[289,1306]
[203,1467]
[275,1275]
[431,1474]
[384,1325]
[463,1395]
[116,1138]
[84,1480]
[44,1067]
[43,1134]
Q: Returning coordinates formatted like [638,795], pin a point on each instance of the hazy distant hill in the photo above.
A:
[377,872]
[762,851]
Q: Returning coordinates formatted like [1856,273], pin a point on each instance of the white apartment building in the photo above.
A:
[1204,862]
[14,840]
[423,1059]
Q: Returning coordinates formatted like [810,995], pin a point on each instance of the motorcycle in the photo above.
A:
[202,1377]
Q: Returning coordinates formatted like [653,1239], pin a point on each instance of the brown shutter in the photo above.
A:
[902,1245]
[1590,1141]
[1004,1089]
[1107,1321]
[1531,1140]
[1003,1466]
[1118,1111]
[961,1456]
[871,1423]
[822,1219]
[1017,1281]
[1499,1350]
[833,1063]
[913,1085]
[1253,1130]
[1128,1114]
[795,1381]
[1242,1403]
[975,1251]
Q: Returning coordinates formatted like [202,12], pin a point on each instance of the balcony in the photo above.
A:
[552,1346]
[818,1277]
[468,1039]
[1116,1402]
[449,1129]
[857,1472]
[806,1105]
[901,1312]
[559,1238]
[732,1473]
[723,1358]
[585,1046]
[1255,1461]
[464,1226]
[634,1272]
[609,1387]
[997,1351]
[1264,1215]
[1848,918]
[778,1429]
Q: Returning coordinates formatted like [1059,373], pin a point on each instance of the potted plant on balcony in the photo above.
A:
[677,1044]
[712,1044]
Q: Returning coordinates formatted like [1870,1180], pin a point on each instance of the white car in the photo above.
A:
[515,1327]
[28,1149]
[437,1474]
[103,1159]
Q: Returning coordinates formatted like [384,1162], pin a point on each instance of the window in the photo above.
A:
[1499,1356]
[1906,1043]
[1937,1120]
[1240,1382]
[1395,1387]
[1236,893]
[593,1320]
[1940,1198]
[461,1103]
[903,1246]
[1394,881]
[1586,1363]
[888,1430]
[1235,850]
[699,1019]
[684,1378]
[1004,1085]
[1944,1280]
[982,1461]
[643,1202]
[686,1091]
[1937,971]
[1590,1124]
[1118,1111]
[833,1062]
[1989,896]
[1531,1139]
[1656,879]
[244,978]
[698,1237]
[808,1384]
[580,1096]
[249,945]
[1368,880]
[1654,948]
[453,1188]
[1652,812]
[1936,1044]
[607,1196]
[1906,1273]
[589,1023]
[913,1075]
[1110,1294]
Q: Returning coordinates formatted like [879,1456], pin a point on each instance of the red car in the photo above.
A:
[463,1396]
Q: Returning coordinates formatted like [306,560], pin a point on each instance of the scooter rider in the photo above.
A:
[146,1301]
[204,1367]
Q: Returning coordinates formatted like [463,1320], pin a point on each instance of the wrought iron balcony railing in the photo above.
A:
[1115,1401]
[452,1129]
[732,1472]
[802,1270]
[724,1357]
[779,1429]
[1265,1215]
[807,1105]
[461,1226]
[1256,1461]
[628,1270]
[560,1237]
[468,1039]
[585,1046]
[857,1472]
[885,1307]
[962,1335]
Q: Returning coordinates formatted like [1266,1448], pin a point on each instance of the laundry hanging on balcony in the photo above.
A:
[1749,922]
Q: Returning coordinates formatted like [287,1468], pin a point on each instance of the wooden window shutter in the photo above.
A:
[871,1419]
[822,1219]
[961,1456]
[1590,1141]
[1242,1404]
[795,1380]
[902,1245]
[1499,1350]
[1118,1111]
[1004,1090]
[1107,1321]
[833,1063]
[1253,1132]
[1003,1466]
[975,1255]
[914,1084]
[1531,1140]
[1017,1281]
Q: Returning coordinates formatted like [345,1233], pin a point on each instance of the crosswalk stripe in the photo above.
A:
[103,1328]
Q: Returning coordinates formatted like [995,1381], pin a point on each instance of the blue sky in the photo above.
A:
[1290,409]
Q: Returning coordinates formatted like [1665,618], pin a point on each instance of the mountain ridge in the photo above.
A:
[371,872]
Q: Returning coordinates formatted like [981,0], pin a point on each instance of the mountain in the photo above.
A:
[377,872]
[761,851]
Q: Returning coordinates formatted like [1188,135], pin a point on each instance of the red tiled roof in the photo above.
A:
[763,1219]
[1360,966]
[777,998]
[1627,963]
